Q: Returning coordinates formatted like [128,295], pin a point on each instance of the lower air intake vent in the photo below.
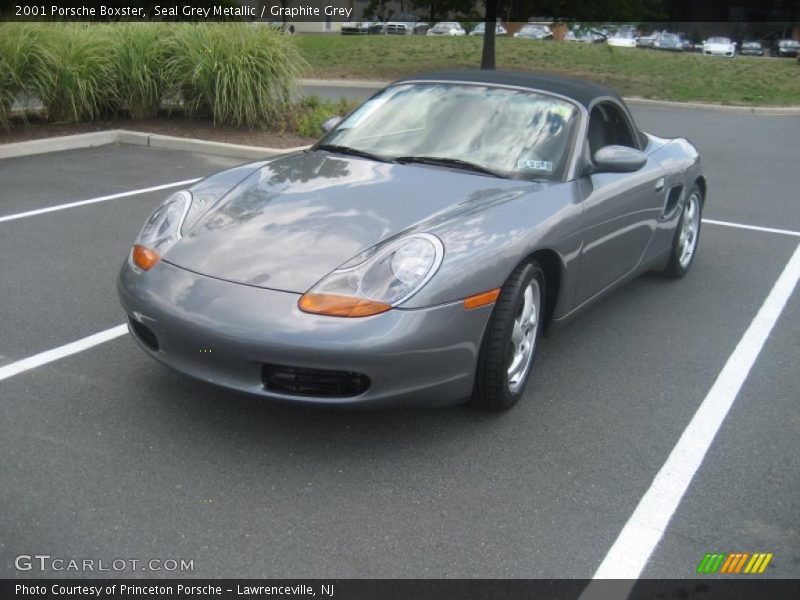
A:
[144,333]
[299,381]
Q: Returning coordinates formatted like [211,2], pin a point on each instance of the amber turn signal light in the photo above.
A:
[481,299]
[144,257]
[334,305]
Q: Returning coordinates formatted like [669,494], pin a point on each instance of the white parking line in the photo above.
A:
[752,227]
[37,360]
[49,209]
[641,534]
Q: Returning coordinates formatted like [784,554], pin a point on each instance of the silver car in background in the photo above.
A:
[448,28]
[406,24]
[480,29]
[534,32]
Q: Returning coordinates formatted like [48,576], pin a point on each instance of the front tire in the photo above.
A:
[510,341]
[687,236]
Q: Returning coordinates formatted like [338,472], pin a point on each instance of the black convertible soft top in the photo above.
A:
[582,92]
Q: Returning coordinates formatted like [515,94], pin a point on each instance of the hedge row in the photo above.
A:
[236,73]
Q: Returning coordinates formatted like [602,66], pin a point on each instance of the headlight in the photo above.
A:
[161,230]
[377,280]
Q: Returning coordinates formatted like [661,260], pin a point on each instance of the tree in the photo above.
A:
[490,25]
[440,9]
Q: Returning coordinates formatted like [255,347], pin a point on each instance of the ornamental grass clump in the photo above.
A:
[139,54]
[74,76]
[237,73]
[19,52]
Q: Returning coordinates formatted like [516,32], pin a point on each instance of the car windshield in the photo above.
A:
[669,38]
[512,133]
[790,43]
[532,28]
[718,40]
[445,26]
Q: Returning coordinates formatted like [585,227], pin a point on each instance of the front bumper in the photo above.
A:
[724,53]
[224,333]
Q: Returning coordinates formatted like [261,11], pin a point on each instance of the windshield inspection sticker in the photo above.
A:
[536,165]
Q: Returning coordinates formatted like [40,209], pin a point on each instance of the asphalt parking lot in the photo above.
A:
[109,455]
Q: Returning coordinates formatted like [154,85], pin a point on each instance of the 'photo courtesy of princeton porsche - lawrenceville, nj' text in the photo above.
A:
[433,299]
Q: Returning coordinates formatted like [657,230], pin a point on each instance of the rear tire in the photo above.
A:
[511,340]
[687,236]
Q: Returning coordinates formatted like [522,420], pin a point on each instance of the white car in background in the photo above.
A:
[719,46]
[447,28]
[622,39]
[406,24]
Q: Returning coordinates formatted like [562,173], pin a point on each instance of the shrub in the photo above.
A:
[308,115]
[238,73]
[18,52]
[74,77]
[139,53]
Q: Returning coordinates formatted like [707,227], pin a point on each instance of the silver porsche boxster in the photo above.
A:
[417,252]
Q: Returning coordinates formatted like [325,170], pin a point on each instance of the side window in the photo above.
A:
[608,126]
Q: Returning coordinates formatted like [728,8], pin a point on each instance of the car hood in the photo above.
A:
[297,218]
[717,46]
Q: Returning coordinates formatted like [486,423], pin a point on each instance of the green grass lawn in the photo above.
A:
[630,71]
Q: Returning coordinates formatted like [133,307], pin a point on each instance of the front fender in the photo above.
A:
[482,247]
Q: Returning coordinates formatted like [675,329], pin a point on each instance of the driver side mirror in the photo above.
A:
[618,159]
[331,123]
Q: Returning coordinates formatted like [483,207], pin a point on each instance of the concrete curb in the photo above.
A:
[757,110]
[342,83]
[56,144]
[754,110]
[137,138]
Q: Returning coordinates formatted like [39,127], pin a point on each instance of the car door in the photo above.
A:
[620,210]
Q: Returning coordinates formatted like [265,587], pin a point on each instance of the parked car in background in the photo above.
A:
[585,37]
[534,32]
[378,28]
[785,48]
[646,41]
[406,24]
[752,49]
[689,46]
[669,41]
[356,27]
[622,39]
[719,46]
[480,29]
[450,28]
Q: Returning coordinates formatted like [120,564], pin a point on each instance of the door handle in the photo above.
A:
[659,184]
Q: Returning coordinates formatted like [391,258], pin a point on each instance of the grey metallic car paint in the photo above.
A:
[233,281]
[296,219]
[222,333]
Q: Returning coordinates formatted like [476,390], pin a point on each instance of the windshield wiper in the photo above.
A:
[449,162]
[351,152]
